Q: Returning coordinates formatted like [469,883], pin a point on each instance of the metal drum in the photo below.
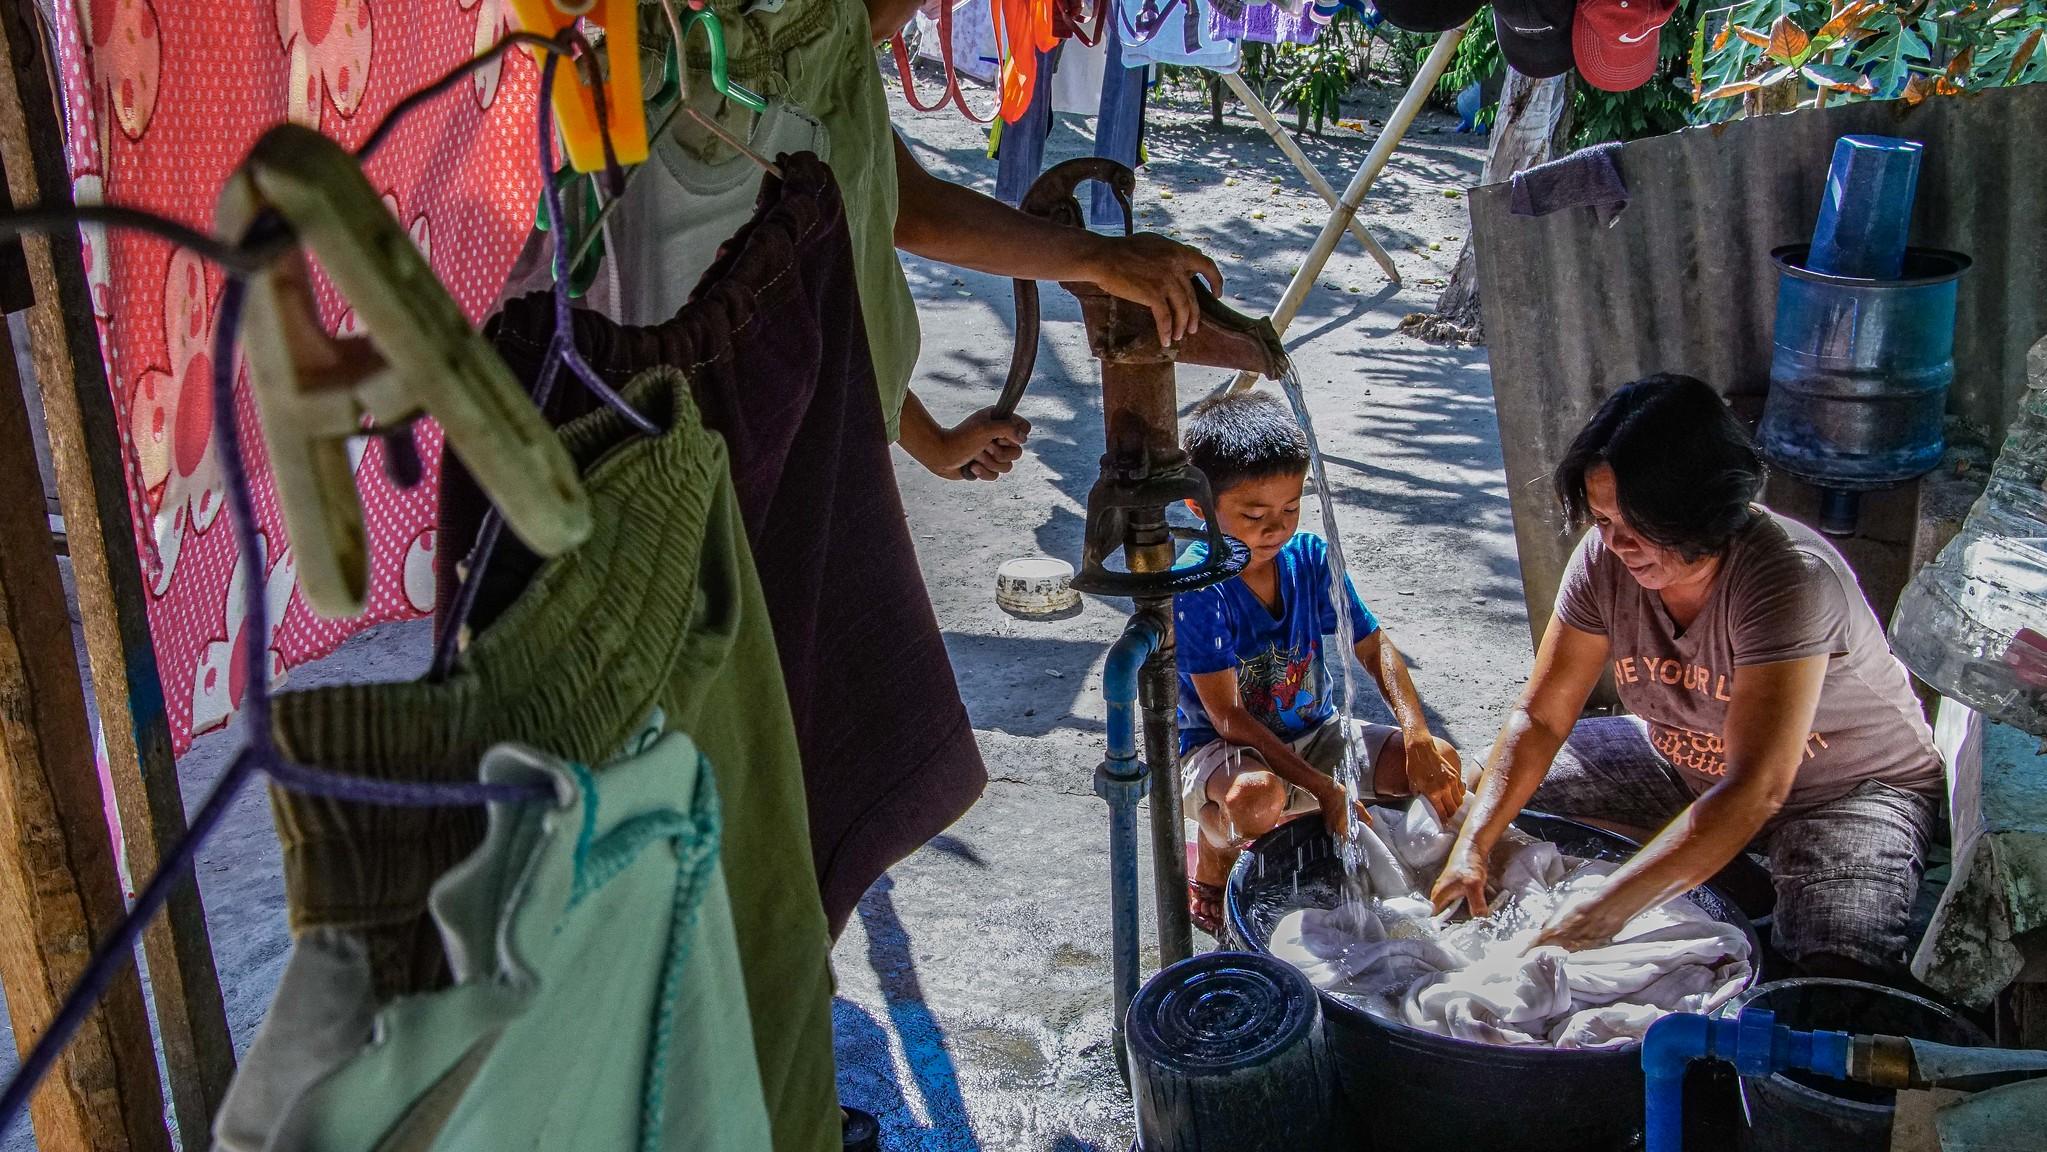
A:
[1859,376]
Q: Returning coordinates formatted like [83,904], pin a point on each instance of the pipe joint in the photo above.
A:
[1122,782]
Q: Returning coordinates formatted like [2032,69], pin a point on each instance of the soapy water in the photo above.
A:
[1350,769]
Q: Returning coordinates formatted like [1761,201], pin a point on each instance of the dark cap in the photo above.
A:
[1427,15]
[1535,35]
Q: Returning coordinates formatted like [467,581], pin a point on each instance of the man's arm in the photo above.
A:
[1428,774]
[983,445]
[1769,721]
[942,221]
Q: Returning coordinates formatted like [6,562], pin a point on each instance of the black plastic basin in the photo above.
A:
[1405,1088]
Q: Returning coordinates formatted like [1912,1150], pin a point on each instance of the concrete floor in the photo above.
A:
[974,985]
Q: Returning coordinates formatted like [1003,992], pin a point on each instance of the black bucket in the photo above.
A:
[1804,1112]
[1406,1088]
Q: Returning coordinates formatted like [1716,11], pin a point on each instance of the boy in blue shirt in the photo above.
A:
[1258,736]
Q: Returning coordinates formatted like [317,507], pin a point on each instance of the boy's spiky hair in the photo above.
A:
[1244,436]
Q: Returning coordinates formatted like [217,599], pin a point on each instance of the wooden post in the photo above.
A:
[59,891]
[84,441]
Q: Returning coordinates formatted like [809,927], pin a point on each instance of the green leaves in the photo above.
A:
[1859,49]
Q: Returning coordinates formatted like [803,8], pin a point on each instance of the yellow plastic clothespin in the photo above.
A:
[575,105]
[420,357]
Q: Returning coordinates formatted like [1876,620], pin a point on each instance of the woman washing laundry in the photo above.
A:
[1767,713]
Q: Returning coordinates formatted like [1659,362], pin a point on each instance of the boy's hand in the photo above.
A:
[983,446]
[1432,775]
[1338,809]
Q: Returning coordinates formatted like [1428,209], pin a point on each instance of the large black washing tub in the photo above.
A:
[1409,1089]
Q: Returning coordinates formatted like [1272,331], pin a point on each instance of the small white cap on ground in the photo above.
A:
[1035,586]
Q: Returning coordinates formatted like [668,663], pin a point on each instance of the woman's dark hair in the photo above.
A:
[1684,468]
[1244,436]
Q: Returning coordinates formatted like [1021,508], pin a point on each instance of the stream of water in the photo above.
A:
[1350,771]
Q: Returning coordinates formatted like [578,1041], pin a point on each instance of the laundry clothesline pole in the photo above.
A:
[1346,209]
[85,440]
[1316,180]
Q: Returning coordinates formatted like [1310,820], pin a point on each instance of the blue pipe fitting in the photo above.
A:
[1141,637]
[1122,780]
[1753,1042]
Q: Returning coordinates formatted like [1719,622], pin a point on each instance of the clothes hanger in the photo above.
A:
[678,30]
[674,91]
[420,357]
[603,121]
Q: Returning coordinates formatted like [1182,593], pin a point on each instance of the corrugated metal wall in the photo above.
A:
[1683,282]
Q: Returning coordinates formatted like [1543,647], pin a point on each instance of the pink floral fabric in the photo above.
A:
[163,98]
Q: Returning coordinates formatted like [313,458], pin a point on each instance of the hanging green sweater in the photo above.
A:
[661,608]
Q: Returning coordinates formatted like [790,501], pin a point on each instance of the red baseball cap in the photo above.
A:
[1615,42]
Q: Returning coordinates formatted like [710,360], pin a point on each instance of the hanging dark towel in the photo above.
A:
[774,346]
[1587,178]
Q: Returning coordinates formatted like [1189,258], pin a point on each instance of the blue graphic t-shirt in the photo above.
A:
[1278,659]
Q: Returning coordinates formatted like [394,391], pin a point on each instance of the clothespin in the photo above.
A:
[575,104]
[420,357]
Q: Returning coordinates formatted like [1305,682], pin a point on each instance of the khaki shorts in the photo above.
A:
[1322,749]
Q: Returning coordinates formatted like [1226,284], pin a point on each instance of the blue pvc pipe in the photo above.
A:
[1122,780]
[1753,1042]
[1141,637]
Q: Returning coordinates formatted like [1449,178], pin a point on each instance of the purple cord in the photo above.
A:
[561,349]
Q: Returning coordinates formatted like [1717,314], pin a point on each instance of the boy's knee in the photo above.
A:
[1254,802]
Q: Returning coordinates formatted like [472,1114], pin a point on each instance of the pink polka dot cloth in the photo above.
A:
[162,99]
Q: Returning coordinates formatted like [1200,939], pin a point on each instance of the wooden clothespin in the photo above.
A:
[575,104]
[420,357]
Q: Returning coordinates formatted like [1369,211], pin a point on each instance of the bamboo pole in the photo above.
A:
[1397,125]
[91,483]
[1316,180]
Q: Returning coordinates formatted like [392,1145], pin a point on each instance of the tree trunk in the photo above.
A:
[1534,122]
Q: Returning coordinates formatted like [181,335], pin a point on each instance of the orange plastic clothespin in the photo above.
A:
[575,105]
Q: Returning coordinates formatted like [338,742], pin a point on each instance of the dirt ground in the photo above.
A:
[974,986]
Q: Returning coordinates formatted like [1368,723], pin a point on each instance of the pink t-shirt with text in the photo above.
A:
[1782,593]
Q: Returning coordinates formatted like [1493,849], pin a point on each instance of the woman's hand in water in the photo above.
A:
[1463,878]
[1590,922]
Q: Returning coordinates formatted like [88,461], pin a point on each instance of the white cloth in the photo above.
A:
[973,41]
[1169,44]
[1485,980]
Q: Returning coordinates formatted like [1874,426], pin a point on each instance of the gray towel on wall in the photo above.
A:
[1587,178]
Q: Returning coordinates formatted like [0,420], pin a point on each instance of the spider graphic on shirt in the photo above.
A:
[1276,686]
